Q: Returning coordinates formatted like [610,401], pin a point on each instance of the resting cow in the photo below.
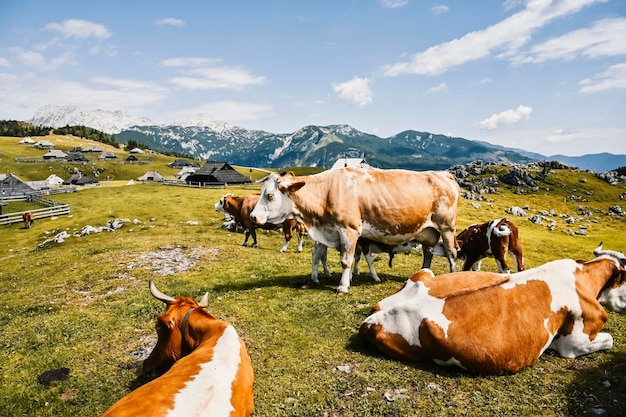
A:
[389,206]
[240,207]
[493,323]
[205,365]
[478,241]
[28,219]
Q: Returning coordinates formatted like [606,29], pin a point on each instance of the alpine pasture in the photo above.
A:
[82,307]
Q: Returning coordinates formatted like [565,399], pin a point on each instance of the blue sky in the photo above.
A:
[540,75]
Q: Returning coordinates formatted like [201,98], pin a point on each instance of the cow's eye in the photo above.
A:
[270,197]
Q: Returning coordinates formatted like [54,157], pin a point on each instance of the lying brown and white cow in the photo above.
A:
[205,365]
[240,207]
[389,206]
[493,238]
[28,219]
[493,323]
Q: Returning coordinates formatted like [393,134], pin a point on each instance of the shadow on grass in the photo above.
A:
[599,390]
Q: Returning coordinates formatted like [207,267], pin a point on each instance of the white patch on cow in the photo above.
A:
[326,234]
[209,392]
[399,311]
[614,299]
[384,236]
[561,280]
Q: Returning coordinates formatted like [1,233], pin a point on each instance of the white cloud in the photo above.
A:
[613,78]
[170,21]
[357,91]
[29,92]
[506,117]
[82,29]
[440,9]
[604,38]
[505,36]
[199,73]
[33,60]
[441,88]
[563,135]
[393,4]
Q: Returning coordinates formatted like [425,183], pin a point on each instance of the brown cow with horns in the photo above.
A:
[205,367]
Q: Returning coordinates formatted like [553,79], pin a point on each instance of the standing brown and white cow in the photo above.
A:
[494,323]
[493,238]
[28,219]
[240,207]
[205,367]
[388,206]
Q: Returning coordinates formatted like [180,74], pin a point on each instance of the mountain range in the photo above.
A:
[205,138]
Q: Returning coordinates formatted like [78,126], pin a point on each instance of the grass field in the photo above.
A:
[84,305]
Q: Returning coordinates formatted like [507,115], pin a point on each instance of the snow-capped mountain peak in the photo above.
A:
[205,120]
[111,122]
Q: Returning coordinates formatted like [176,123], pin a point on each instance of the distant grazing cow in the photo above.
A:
[365,247]
[494,323]
[28,219]
[240,207]
[204,364]
[389,206]
[478,241]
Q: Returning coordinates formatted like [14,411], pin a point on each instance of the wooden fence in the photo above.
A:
[52,209]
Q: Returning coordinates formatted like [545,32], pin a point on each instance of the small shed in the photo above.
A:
[136,151]
[182,163]
[54,154]
[12,186]
[151,176]
[27,141]
[107,155]
[80,179]
[54,180]
[217,173]
[76,157]
[43,144]
[344,162]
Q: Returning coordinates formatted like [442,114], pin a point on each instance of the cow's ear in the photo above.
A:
[292,188]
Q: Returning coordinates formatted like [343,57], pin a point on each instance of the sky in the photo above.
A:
[539,75]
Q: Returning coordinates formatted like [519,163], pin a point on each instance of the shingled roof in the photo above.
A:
[216,173]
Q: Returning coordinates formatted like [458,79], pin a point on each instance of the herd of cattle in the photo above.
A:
[483,322]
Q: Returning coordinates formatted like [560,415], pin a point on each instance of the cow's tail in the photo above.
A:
[502,229]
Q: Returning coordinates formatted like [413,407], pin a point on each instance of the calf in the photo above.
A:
[365,247]
[240,207]
[28,219]
[493,323]
[493,238]
[205,367]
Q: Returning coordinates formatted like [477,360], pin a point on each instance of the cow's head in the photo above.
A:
[170,328]
[275,206]
[222,204]
[613,295]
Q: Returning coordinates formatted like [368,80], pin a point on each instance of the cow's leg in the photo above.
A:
[320,253]
[246,237]
[474,266]
[578,343]
[357,259]
[253,234]
[518,260]
[347,248]
[287,234]
[370,262]
[300,241]
[449,245]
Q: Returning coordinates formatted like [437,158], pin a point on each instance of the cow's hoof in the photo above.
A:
[342,290]
[244,244]
[255,246]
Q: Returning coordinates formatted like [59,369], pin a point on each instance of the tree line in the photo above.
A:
[16,128]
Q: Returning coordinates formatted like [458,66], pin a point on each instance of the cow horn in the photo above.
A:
[159,295]
[205,300]
[619,256]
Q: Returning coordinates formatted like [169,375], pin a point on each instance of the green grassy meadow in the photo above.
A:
[84,305]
